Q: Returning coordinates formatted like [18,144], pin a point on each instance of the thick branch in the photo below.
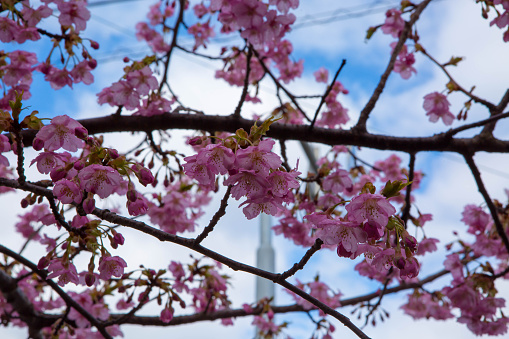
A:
[233,313]
[439,142]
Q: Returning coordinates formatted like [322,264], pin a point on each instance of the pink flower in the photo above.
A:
[202,33]
[337,181]
[247,183]
[142,80]
[403,64]
[199,171]
[138,206]
[61,133]
[284,5]
[267,204]
[217,158]
[65,273]
[394,24]
[322,75]
[281,182]
[347,234]
[111,266]
[101,180]
[437,106]
[373,208]
[258,158]
[81,73]
[427,245]
[67,192]
[475,218]
[73,12]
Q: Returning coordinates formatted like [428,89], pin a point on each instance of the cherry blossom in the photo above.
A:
[61,133]
[98,179]
[437,106]
[372,208]
[111,266]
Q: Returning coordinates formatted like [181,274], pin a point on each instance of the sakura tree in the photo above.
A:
[173,171]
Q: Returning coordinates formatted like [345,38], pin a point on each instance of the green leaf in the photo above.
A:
[393,188]
[453,62]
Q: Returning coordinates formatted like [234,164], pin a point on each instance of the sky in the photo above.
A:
[330,30]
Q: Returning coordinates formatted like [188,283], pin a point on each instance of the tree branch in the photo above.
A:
[364,115]
[190,243]
[213,222]
[327,92]
[236,113]
[68,300]
[300,265]
[491,206]
[437,142]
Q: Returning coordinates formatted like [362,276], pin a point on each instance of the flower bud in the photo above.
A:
[57,174]
[89,279]
[89,205]
[94,44]
[43,263]
[81,132]
[38,144]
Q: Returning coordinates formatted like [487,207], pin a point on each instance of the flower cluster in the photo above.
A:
[335,115]
[254,172]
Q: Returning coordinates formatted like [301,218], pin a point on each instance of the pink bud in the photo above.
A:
[113,153]
[195,141]
[166,315]
[119,239]
[43,263]
[38,144]
[89,279]
[89,205]
[131,195]
[57,174]
[81,132]
[94,44]
[126,59]
[145,176]
[92,63]
[24,203]
[79,165]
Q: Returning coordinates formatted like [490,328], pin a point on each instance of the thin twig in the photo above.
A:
[300,265]
[180,19]
[379,302]
[199,54]
[327,92]
[279,86]
[475,98]
[283,155]
[493,118]
[215,219]
[406,210]
[366,111]
[243,96]
[491,206]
